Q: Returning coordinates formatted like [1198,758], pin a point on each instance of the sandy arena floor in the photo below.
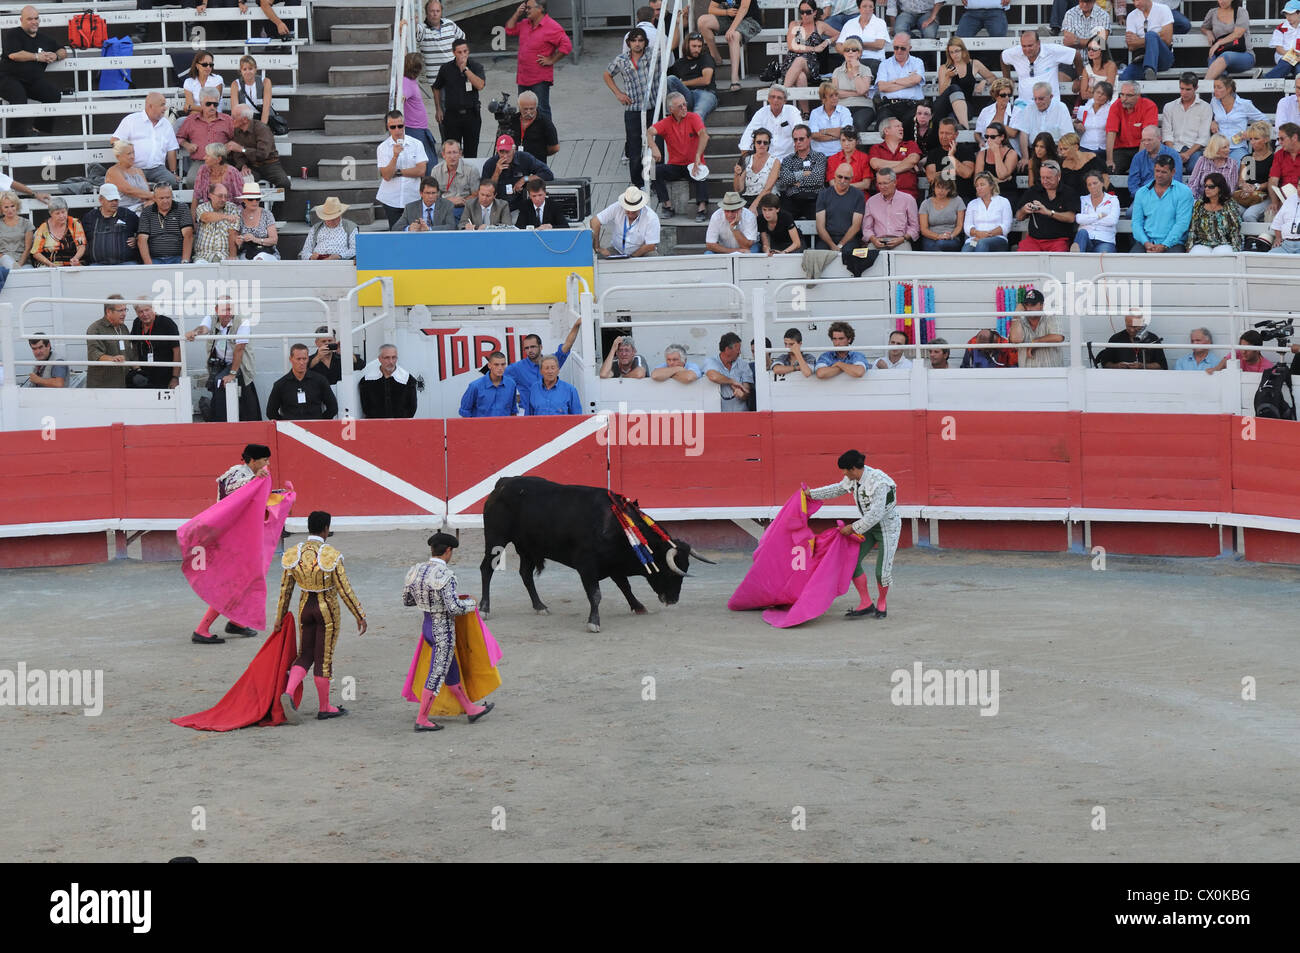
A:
[1120,689]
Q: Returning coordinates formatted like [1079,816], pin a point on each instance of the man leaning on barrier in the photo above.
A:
[108,358]
[44,374]
[230,359]
[841,360]
[676,367]
[1034,326]
[733,376]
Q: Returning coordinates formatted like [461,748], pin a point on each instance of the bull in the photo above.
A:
[575,526]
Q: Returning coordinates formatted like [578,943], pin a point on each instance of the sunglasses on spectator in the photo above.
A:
[695,36]
[799,138]
[399,125]
[1004,95]
[762,142]
[905,49]
[208,64]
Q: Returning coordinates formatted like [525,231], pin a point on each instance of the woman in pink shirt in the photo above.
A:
[417,117]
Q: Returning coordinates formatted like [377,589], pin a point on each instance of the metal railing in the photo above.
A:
[407,15]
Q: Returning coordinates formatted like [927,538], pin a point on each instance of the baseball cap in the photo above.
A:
[1293,6]
[1033,296]
[109,191]
[505,142]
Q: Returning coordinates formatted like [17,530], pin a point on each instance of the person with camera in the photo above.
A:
[1133,358]
[230,360]
[150,352]
[326,361]
[1051,209]
[456,89]
[535,133]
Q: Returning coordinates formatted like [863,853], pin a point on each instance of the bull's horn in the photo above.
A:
[693,554]
[668,558]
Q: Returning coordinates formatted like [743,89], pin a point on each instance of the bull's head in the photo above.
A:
[675,559]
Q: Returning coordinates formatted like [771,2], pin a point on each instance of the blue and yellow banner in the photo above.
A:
[474,268]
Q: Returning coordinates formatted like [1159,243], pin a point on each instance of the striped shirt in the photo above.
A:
[637,80]
[435,45]
[165,231]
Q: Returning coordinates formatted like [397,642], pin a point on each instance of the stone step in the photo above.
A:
[355,33]
[312,147]
[355,125]
[316,190]
[314,101]
[315,60]
[351,169]
[363,75]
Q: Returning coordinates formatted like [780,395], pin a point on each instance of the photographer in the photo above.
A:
[229,360]
[535,133]
[1134,358]
[455,95]
[326,361]
[1051,209]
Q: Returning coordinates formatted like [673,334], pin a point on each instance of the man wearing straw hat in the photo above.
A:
[633,228]
[333,236]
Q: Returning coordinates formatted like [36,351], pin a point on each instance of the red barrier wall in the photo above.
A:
[1265,466]
[986,458]
[807,444]
[1184,464]
[171,469]
[76,475]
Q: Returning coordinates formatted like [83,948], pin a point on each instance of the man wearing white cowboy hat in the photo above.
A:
[633,227]
[733,229]
[333,236]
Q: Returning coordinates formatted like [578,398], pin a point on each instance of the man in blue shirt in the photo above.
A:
[551,396]
[841,360]
[1200,359]
[1141,170]
[527,371]
[1162,212]
[493,394]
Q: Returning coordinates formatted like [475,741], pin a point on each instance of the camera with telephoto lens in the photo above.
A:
[1279,331]
[506,114]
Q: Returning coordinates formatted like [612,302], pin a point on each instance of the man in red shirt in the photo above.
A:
[542,44]
[686,137]
[1124,127]
[896,153]
[1286,162]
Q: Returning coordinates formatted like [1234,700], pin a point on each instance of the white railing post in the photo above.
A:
[9,391]
[762,377]
[349,394]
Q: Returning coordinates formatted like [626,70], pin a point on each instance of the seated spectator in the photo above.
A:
[536,134]
[842,360]
[386,390]
[734,377]
[333,237]
[999,160]
[201,77]
[1032,59]
[1232,114]
[802,176]
[326,361]
[1142,167]
[1125,122]
[900,83]
[754,175]
[633,227]
[202,129]
[869,30]
[960,78]
[150,132]
[1091,118]
[493,393]
[1216,223]
[110,230]
[981,357]
[537,212]
[1251,194]
[941,217]
[1285,169]
[1217,158]
[252,89]
[898,155]
[779,119]
[623,360]
[1162,212]
[692,76]
[1149,35]
[15,233]
[955,158]
[1041,149]
[252,148]
[686,140]
[26,54]
[855,157]
[1098,217]
[1286,225]
[1133,358]
[829,121]
[999,111]
[777,232]
[988,218]
[107,367]
[417,117]
[217,219]
[42,374]
[402,164]
[215,169]
[59,240]
[429,213]
[1051,209]
[1032,326]
[486,211]
[840,209]
[282,30]
[457,86]
[854,79]
[1185,121]
[938,357]
[1201,358]
[793,359]
[8,183]
[510,168]
[895,357]
[150,353]
[1227,31]
[1077,163]
[806,40]
[890,220]
[1286,43]
[1082,23]
[1044,114]
[256,236]
[229,360]
[676,367]
[128,178]
[550,396]
[733,229]
[1252,361]
[986,15]
[166,235]
[300,394]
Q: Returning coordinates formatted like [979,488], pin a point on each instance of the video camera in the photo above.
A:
[1277,330]
[506,114]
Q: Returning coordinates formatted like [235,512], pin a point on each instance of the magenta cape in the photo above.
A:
[238,537]
[795,569]
[255,698]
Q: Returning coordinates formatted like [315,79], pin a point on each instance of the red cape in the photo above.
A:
[255,698]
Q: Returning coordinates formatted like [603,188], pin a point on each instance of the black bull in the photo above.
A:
[575,526]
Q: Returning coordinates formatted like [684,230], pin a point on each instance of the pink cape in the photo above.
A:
[795,569]
[237,538]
